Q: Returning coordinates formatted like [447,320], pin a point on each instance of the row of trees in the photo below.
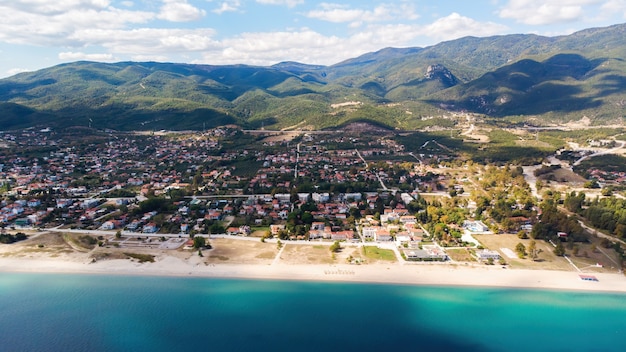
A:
[606,214]
[8,238]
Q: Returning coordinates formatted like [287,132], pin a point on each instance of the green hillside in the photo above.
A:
[513,77]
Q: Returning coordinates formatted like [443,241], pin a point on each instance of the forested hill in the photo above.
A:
[512,76]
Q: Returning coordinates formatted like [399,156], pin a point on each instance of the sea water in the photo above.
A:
[59,312]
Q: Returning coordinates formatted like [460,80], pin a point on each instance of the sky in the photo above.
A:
[36,34]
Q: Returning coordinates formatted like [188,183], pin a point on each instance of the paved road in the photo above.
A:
[603,152]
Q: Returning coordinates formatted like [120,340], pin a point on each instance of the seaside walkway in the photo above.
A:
[277,257]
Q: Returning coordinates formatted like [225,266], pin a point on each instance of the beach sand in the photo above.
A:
[391,273]
[251,259]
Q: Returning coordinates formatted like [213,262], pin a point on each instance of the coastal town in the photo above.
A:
[365,193]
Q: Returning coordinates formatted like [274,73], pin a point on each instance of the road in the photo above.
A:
[600,234]
[382,184]
[603,152]
[531,179]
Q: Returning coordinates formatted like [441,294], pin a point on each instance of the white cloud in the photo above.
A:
[15,71]
[54,7]
[541,12]
[180,11]
[338,13]
[18,26]
[227,6]
[456,26]
[150,41]
[613,7]
[144,58]
[289,3]
[308,46]
[266,48]
[75,56]
[111,31]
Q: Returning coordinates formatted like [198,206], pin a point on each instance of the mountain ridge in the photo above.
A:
[560,78]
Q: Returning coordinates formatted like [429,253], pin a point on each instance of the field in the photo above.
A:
[460,255]
[240,252]
[546,259]
[375,254]
[305,254]
[317,254]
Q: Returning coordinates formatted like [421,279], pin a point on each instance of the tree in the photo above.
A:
[118,234]
[20,236]
[559,250]
[522,235]
[307,218]
[199,242]
[521,250]
[532,250]
[335,247]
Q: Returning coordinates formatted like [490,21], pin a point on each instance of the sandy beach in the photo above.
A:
[393,273]
[252,259]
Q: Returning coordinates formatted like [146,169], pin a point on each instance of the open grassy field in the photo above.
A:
[585,260]
[460,255]
[306,254]
[240,252]
[546,260]
[375,254]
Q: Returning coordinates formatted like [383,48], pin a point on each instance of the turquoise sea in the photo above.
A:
[58,312]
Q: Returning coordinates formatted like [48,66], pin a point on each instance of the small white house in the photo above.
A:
[485,255]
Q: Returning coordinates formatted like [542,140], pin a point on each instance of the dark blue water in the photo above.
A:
[46,312]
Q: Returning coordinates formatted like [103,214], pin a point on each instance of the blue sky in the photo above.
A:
[40,33]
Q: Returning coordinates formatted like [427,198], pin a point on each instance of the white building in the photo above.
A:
[321,197]
[485,255]
[369,232]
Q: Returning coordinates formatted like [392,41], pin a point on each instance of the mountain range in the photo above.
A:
[518,77]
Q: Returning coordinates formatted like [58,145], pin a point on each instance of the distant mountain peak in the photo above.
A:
[441,73]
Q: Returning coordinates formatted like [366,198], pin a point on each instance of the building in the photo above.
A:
[275,229]
[321,197]
[283,197]
[150,228]
[108,225]
[475,226]
[341,235]
[383,235]
[90,203]
[407,198]
[428,254]
[318,225]
[369,232]
[485,255]
[353,196]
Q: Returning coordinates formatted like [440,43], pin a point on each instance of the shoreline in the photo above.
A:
[384,274]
